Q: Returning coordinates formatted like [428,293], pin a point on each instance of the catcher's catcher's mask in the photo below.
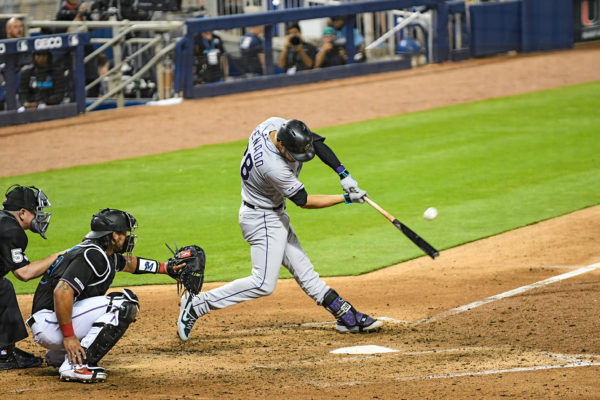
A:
[110,220]
[32,199]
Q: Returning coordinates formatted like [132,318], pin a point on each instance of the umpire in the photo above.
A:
[23,208]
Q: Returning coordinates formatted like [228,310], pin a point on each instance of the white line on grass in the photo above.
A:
[510,293]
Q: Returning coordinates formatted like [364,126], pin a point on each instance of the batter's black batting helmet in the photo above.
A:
[297,139]
[32,199]
[110,220]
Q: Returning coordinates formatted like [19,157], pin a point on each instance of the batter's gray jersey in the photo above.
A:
[267,178]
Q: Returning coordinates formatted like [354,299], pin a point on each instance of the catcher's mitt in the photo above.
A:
[192,275]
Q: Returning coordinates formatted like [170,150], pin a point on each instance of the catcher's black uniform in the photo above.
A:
[13,242]
[86,268]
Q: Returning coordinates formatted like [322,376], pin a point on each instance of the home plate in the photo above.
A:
[368,349]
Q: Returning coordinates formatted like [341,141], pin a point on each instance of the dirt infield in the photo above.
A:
[540,342]
[536,344]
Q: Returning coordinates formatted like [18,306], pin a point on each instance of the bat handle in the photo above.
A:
[386,214]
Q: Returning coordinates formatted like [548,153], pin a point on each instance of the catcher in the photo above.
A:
[72,315]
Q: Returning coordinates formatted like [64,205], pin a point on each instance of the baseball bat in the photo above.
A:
[416,239]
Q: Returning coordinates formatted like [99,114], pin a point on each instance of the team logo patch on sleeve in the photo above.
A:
[293,188]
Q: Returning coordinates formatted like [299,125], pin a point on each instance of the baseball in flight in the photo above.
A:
[430,213]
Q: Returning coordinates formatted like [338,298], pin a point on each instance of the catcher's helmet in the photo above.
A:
[32,199]
[297,139]
[110,220]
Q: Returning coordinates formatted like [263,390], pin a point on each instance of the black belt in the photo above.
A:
[30,321]
[252,206]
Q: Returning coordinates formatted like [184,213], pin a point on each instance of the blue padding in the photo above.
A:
[456,7]
[547,25]
[302,77]
[495,28]
[110,104]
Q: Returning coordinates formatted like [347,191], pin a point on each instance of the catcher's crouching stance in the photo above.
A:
[72,317]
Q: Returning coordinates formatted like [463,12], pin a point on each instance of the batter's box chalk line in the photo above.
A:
[510,293]
[447,313]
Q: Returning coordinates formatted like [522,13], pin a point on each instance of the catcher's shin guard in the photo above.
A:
[348,319]
[111,331]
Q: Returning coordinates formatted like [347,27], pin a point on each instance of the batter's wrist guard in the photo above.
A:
[347,199]
[342,171]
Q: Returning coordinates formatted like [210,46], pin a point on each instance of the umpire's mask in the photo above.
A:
[32,199]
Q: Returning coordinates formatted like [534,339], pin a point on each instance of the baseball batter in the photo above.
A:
[269,171]
[72,317]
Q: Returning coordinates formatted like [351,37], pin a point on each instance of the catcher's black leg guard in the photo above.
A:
[109,333]
[348,319]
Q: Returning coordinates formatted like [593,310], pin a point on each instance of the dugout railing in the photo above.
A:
[184,80]
[144,46]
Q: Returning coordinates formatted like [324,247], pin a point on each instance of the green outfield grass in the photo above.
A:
[488,167]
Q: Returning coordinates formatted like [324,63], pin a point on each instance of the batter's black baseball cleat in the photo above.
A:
[348,319]
[14,358]
[360,323]
[187,316]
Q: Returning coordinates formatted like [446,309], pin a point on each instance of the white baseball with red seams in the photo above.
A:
[430,213]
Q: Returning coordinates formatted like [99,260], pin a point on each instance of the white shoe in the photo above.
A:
[81,373]
[187,316]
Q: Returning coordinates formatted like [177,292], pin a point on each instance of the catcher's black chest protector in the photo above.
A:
[86,268]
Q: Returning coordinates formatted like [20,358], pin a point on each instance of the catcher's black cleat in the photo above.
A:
[14,358]
[187,316]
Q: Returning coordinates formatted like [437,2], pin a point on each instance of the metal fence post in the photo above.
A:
[160,69]
[117,60]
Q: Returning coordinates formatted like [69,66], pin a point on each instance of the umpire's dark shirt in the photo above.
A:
[86,268]
[13,242]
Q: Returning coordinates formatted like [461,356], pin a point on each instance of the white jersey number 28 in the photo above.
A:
[246,167]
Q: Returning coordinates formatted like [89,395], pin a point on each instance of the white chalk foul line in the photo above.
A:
[447,313]
[510,293]
[499,371]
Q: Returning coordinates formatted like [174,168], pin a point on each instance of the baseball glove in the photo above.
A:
[191,277]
